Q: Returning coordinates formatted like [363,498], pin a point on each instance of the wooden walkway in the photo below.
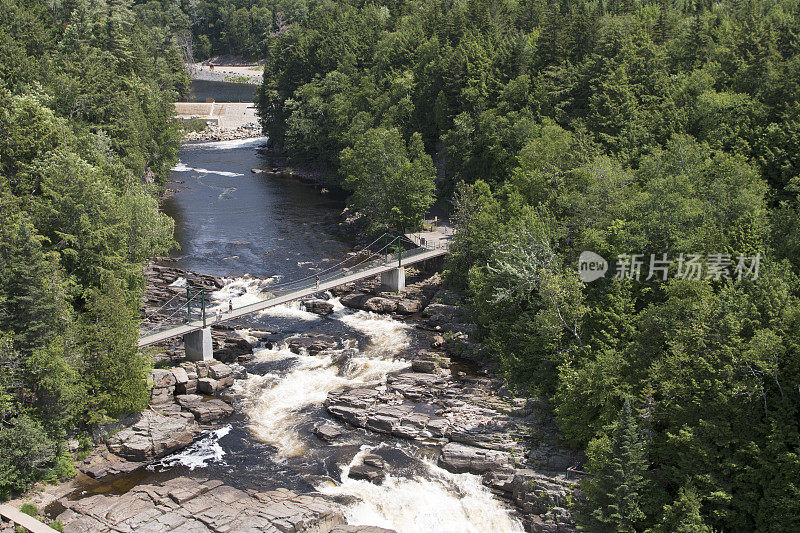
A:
[20,518]
[177,331]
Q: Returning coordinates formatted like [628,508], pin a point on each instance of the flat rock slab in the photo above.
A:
[459,458]
[361,529]
[202,506]
[419,405]
[204,410]
[154,435]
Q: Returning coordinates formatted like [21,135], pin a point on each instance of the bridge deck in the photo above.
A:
[291,296]
[28,522]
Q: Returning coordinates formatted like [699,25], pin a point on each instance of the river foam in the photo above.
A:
[199,453]
[439,501]
[275,400]
[181,167]
[228,145]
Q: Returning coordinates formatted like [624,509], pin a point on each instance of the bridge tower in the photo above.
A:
[395,280]
[198,345]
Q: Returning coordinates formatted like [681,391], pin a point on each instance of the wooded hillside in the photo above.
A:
[619,128]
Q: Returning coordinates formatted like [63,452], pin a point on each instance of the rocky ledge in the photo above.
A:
[480,427]
[193,505]
[481,433]
[511,442]
[176,416]
[212,132]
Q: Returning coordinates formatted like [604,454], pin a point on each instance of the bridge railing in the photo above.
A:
[365,260]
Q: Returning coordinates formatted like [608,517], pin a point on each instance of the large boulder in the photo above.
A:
[328,432]
[153,435]
[162,378]
[407,306]
[180,376]
[459,459]
[311,343]
[442,313]
[427,366]
[219,371]
[208,385]
[204,410]
[368,302]
[185,381]
[367,473]
[318,306]
[163,386]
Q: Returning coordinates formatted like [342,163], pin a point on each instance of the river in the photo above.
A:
[254,229]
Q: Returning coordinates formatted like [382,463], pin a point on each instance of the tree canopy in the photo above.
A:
[86,143]
[634,129]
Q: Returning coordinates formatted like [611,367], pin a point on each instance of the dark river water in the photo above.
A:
[221,91]
[255,230]
[230,221]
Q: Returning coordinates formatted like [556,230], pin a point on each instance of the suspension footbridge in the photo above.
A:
[386,257]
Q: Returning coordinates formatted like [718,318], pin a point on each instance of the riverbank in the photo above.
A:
[214,132]
[245,74]
[374,404]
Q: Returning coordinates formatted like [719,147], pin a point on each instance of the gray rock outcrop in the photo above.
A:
[368,302]
[204,410]
[191,505]
[311,343]
[318,306]
[460,458]
[154,435]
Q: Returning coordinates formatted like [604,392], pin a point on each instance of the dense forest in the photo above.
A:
[617,127]
[550,128]
[86,143]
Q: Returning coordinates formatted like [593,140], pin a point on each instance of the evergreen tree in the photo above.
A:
[683,516]
[614,493]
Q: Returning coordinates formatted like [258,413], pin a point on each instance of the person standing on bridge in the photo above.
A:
[219,314]
[230,306]
[316,281]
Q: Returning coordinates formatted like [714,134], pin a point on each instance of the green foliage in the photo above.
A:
[116,374]
[26,452]
[86,142]
[238,27]
[683,516]
[29,509]
[615,490]
[63,467]
[615,127]
[58,525]
[392,185]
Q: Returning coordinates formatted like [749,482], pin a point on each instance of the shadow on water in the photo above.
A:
[220,91]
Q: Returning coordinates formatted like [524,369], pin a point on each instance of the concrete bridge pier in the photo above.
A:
[198,345]
[394,280]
